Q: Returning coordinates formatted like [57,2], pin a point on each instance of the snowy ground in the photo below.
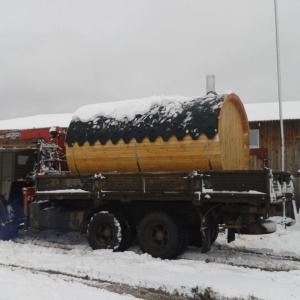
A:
[51,266]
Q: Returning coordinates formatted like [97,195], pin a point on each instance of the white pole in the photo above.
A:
[279,85]
[297,216]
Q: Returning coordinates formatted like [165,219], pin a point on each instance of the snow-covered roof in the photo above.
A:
[38,121]
[269,111]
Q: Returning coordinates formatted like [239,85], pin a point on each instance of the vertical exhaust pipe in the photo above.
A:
[210,84]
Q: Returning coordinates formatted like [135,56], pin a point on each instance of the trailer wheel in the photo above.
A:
[127,232]
[105,232]
[196,236]
[183,234]
[214,232]
[159,235]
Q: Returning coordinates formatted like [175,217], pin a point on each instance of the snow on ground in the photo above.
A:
[48,266]
[25,284]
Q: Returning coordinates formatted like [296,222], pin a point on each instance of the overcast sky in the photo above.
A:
[58,55]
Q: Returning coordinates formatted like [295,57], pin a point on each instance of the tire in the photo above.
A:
[195,237]
[183,234]
[105,231]
[4,216]
[8,229]
[126,231]
[214,232]
[159,235]
[184,239]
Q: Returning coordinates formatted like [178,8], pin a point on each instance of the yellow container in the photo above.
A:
[214,135]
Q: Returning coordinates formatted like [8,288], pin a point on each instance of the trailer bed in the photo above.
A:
[198,186]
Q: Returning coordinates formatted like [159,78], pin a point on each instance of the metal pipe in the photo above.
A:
[297,216]
[210,83]
[279,86]
[284,213]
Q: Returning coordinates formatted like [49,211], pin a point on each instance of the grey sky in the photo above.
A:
[58,55]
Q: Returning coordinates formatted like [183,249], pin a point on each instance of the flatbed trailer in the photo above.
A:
[123,174]
[165,211]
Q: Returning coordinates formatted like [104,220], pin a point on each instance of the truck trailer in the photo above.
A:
[164,172]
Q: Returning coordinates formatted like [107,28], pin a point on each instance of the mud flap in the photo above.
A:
[206,230]
[230,235]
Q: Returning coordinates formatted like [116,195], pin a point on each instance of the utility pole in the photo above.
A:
[279,86]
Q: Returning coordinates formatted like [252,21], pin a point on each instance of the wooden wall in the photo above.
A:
[269,141]
[269,138]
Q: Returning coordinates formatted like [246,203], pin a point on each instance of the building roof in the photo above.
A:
[269,111]
[38,121]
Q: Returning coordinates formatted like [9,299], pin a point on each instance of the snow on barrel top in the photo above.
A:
[166,133]
[126,109]
[151,117]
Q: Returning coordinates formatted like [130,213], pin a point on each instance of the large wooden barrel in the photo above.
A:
[159,134]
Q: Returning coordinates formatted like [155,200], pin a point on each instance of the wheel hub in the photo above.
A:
[106,232]
[159,235]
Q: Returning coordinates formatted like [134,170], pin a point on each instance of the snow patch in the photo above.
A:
[70,191]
